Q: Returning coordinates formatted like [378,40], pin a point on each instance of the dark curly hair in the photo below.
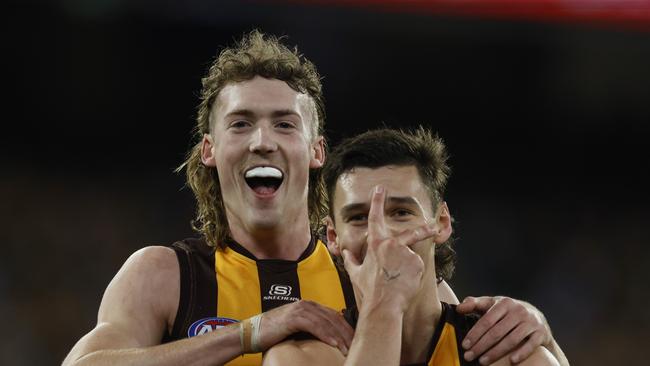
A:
[262,55]
[381,147]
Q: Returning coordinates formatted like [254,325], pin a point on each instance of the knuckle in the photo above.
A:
[507,301]
[510,342]
[480,347]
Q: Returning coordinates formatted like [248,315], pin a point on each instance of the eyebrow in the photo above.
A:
[354,207]
[275,114]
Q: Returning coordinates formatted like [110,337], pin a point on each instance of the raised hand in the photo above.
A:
[390,272]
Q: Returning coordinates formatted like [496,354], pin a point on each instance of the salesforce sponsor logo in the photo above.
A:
[206,325]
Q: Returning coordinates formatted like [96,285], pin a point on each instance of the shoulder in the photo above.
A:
[149,280]
[158,260]
[540,357]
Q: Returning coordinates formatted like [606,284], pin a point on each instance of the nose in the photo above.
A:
[262,141]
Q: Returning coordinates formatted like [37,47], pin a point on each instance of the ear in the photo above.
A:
[443,218]
[332,245]
[207,153]
[317,153]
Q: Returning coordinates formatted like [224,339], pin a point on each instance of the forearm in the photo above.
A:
[215,348]
[377,339]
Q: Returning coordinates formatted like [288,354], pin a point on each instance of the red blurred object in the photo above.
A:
[634,14]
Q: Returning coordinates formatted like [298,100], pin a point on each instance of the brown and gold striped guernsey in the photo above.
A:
[445,348]
[221,287]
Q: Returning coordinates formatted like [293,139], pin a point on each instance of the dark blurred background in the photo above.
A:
[546,119]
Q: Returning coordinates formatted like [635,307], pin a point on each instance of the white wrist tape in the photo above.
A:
[256,321]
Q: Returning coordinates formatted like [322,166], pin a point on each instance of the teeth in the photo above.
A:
[264,172]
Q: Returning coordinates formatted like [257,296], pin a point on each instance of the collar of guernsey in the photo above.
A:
[247,286]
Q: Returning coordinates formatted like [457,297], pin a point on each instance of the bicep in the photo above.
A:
[136,305]
[304,352]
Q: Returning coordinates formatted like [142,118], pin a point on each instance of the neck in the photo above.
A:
[287,241]
[420,320]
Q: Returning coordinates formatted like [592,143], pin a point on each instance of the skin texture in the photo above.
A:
[386,228]
[510,321]
[254,122]
[263,122]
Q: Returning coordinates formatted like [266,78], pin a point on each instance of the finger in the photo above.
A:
[376,223]
[476,304]
[467,305]
[496,340]
[340,325]
[311,324]
[487,321]
[527,349]
[412,236]
[326,325]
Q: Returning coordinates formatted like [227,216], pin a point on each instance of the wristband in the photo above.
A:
[249,334]
[245,329]
[256,321]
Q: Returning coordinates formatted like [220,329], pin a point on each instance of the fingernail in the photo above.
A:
[466,344]
[483,360]
[469,355]
[379,189]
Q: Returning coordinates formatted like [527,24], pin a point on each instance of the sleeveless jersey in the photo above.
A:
[224,286]
[445,348]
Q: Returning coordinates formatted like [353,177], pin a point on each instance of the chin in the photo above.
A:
[266,222]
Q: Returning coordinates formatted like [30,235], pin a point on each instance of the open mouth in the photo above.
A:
[264,180]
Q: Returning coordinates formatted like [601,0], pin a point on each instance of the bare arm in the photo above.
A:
[305,352]
[385,282]
[369,346]
[140,304]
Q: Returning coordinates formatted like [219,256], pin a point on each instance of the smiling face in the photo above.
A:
[408,205]
[262,144]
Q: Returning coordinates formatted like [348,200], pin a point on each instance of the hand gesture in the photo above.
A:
[390,273]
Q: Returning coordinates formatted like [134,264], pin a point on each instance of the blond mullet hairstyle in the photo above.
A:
[256,54]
